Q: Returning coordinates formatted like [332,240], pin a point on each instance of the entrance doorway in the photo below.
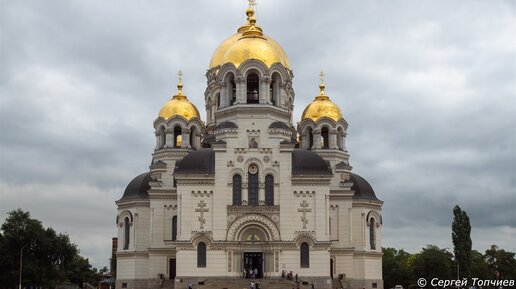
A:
[253,265]
[172,269]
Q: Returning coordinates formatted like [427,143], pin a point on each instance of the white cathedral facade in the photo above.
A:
[249,189]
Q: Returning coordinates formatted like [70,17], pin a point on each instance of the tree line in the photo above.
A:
[49,257]
[403,268]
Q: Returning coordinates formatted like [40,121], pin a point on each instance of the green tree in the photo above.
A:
[461,231]
[502,264]
[48,257]
[396,267]
[433,262]
[479,267]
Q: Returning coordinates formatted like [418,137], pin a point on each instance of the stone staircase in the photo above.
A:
[338,283]
[168,284]
[235,283]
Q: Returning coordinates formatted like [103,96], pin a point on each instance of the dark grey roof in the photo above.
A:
[198,162]
[279,124]
[207,140]
[341,165]
[362,188]
[305,162]
[159,165]
[137,188]
[226,124]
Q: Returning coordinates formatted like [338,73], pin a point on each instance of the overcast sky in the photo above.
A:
[428,89]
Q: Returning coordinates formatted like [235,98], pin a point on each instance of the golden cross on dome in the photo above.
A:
[180,76]
[252,3]
[321,85]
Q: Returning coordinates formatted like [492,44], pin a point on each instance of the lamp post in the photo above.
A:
[21,261]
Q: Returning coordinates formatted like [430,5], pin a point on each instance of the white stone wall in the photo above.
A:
[319,263]
[132,267]
[216,263]
[344,264]
[158,264]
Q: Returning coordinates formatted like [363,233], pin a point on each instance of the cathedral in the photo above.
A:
[249,192]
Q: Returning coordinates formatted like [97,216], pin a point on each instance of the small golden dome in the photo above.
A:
[322,106]
[249,43]
[179,105]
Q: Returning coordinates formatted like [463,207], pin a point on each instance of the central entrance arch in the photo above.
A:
[253,232]
[253,237]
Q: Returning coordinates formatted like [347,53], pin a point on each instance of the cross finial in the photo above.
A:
[180,76]
[321,85]
[252,3]
[179,83]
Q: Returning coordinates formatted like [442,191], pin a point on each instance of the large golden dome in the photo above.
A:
[322,106]
[179,105]
[249,43]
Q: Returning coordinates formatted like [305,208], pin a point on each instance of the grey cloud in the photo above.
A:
[427,89]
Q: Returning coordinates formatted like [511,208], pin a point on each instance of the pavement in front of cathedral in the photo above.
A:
[244,284]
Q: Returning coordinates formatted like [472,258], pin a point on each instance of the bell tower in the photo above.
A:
[249,83]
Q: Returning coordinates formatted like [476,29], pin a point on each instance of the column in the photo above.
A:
[169,140]
[282,95]
[261,193]
[198,140]
[245,193]
[241,90]
[317,139]
[344,142]
[158,139]
[224,96]
[185,132]
[333,139]
[265,92]
[208,113]
[304,141]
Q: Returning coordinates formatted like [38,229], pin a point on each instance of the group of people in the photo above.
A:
[289,275]
[251,273]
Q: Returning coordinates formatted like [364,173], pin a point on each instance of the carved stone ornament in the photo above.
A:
[266,159]
[240,159]
[253,169]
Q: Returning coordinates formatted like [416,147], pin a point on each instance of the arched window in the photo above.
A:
[230,89]
[305,255]
[310,139]
[325,138]
[178,137]
[218,100]
[372,237]
[275,89]
[237,190]
[253,88]
[174,228]
[201,255]
[269,190]
[253,188]
[126,233]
